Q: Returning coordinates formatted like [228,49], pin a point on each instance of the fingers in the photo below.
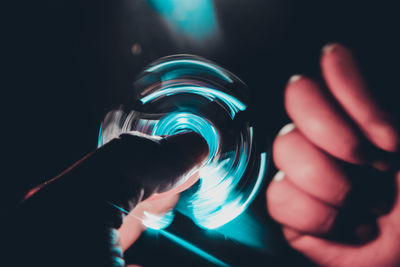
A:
[159,165]
[132,225]
[329,253]
[341,123]
[310,169]
[317,116]
[322,252]
[130,230]
[158,204]
[292,207]
[347,85]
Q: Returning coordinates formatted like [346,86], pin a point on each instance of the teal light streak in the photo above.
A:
[215,195]
[195,63]
[211,198]
[253,233]
[257,186]
[100,140]
[118,208]
[185,244]
[234,104]
[193,248]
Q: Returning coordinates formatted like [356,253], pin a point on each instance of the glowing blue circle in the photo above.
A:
[187,93]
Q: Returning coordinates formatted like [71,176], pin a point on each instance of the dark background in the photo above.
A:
[66,63]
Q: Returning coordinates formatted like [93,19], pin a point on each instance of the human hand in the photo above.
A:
[132,226]
[158,204]
[70,212]
[337,194]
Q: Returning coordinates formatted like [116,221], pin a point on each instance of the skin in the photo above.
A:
[158,204]
[319,161]
[339,132]
[341,157]
[73,209]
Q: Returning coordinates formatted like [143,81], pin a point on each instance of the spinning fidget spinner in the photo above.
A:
[188,93]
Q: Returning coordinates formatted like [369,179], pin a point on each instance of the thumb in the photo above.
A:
[133,167]
[127,170]
[123,172]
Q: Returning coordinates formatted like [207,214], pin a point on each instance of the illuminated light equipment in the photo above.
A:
[188,93]
[193,18]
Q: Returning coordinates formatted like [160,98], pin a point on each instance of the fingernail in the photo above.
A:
[279,176]
[193,146]
[328,48]
[287,129]
[385,136]
[294,78]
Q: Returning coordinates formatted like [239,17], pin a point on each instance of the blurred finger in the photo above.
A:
[322,252]
[142,166]
[345,81]
[132,225]
[317,116]
[292,207]
[310,169]
[128,170]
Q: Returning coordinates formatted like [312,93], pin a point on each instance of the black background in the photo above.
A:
[66,63]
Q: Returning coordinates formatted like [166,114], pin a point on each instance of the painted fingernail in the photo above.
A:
[279,176]
[287,129]
[294,78]
[328,48]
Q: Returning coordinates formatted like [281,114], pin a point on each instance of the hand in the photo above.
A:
[337,192]
[158,204]
[70,217]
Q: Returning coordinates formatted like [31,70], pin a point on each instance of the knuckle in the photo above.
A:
[284,146]
[318,222]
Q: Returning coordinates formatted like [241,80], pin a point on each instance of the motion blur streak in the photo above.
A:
[193,18]
[192,248]
[157,222]
[181,93]
[252,233]
[178,241]
[198,63]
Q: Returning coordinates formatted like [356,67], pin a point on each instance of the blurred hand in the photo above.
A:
[158,204]
[73,217]
[337,192]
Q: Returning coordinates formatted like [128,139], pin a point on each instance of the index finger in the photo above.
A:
[346,84]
